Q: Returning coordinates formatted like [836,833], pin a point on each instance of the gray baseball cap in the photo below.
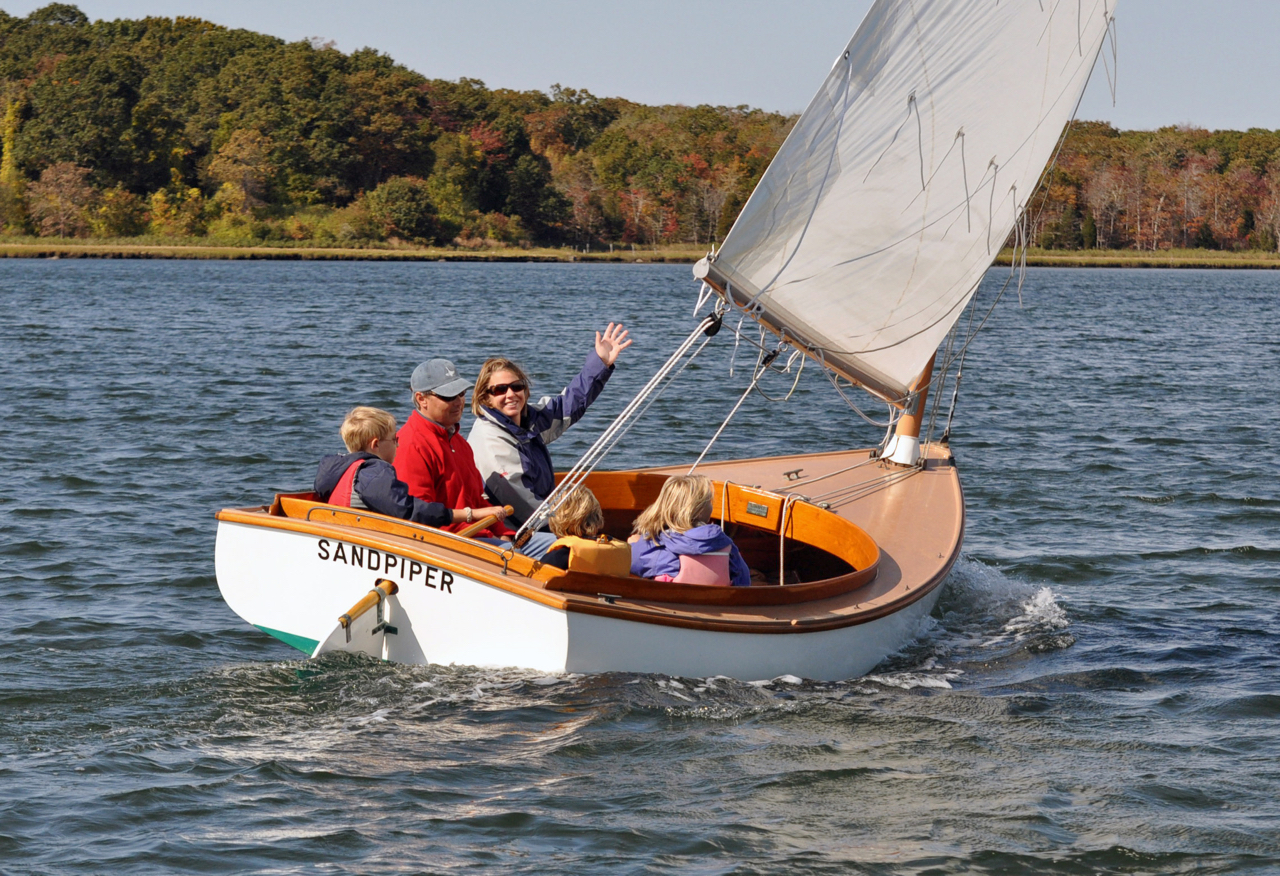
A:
[438,376]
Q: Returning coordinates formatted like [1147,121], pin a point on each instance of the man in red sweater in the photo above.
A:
[436,461]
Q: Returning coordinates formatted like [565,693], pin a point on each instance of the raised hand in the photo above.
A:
[611,344]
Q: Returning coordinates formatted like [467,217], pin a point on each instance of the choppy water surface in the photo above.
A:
[1098,691]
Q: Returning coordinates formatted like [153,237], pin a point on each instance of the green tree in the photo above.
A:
[404,208]
[118,213]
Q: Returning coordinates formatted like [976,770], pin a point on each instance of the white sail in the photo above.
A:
[894,193]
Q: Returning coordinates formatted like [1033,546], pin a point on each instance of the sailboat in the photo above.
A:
[858,252]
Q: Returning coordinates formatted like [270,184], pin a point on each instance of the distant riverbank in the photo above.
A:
[685,254]
[72,249]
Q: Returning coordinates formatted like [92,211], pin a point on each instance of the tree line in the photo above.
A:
[1173,188]
[182,128]
[179,128]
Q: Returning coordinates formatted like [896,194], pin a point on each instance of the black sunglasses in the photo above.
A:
[501,388]
[449,398]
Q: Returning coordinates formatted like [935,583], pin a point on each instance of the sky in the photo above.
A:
[1181,62]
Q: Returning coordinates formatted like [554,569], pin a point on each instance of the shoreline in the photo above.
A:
[1202,259]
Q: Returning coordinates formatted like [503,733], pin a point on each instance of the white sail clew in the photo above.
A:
[901,181]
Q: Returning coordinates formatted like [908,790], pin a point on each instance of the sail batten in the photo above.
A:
[882,211]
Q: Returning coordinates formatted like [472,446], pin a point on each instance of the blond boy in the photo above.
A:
[365,477]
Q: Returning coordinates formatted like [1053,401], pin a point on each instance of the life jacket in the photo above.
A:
[341,494]
[708,569]
[599,556]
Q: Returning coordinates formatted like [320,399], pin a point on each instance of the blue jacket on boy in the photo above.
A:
[377,489]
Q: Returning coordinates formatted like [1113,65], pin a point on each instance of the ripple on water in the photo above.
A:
[1094,693]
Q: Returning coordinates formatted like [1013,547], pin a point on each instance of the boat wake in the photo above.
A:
[986,615]
[984,618]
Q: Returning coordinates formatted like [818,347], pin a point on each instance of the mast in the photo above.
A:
[904,447]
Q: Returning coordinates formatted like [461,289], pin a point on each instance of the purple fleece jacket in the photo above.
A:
[649,559]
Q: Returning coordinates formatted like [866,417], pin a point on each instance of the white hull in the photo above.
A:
[466,621]
[292,573]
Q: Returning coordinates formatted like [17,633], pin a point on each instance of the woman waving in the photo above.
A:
[511,434]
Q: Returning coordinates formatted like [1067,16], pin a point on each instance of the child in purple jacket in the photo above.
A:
[675,539]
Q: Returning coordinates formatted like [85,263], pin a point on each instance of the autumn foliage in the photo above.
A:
[178,128]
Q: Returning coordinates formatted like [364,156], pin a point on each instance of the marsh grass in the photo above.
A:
[203,248]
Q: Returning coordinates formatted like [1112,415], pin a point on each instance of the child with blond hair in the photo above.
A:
[365,477]
[579,545]
[675,539]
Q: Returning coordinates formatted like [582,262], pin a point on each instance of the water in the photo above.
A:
[1098,691]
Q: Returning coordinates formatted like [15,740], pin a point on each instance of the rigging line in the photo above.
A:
[708,328]
[615,430]
[936,393]
[832,474]
[760,369]
[581,470]
[894,413]
[970,333]
[964,168]
[991,206]
[703,295]
[737,338]
[1026,245]
[853,492]
[794,383]
[951,411]
[782,538]
[1113,37]
[964,350]
[724,501]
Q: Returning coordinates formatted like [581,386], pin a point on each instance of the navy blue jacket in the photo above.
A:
[513,459]
[378,489]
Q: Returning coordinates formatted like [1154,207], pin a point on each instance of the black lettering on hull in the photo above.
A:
[375,561]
